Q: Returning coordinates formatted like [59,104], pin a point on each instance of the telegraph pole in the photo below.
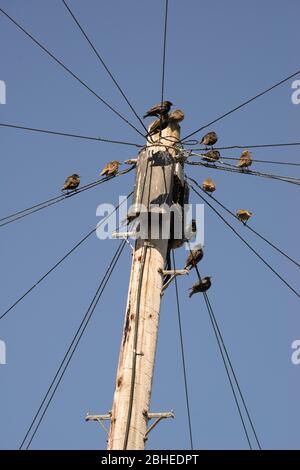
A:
[130,413]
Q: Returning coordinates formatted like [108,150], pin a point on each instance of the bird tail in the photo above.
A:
[191,293]
[145,115]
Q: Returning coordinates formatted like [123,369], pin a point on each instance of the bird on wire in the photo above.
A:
[159,109]
[211,156]
[72,182]
[244,215]
[200,286]
[245,159]
[176,116]
[194,257]
[209,139]
[208,185]
[158,125]
[110,168]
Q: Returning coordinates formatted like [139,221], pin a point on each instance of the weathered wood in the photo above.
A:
[154,183]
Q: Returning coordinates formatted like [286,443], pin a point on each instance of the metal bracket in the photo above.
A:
[124,236]
[172,272]
[178,272]
[99,419]
[157,417]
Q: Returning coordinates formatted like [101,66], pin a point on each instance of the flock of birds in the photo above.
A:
[164,118]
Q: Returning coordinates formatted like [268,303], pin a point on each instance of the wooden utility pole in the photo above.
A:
[130,411]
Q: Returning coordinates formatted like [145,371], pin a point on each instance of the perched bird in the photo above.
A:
[211,156]
[208,185]
[245,159]
[201,286]
[158,109]
[158,124]
[110,168]
[194,257]
[72,182]
[209,139]
[243,215]
[176,116]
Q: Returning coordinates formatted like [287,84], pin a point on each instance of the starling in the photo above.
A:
[72,182]
[211,156]
[194,257]
[176,116]
[201,286]
[110,168]
[208,185]
[159,109]
[243,215]
[209,139]
[245,159]
[158,124]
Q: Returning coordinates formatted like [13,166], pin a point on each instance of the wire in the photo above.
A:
[245,242]
[250,146]
[70,71]
[43,205]
[134,352]
[73,345]
[65,134]
[246,225]
[217,330]
[183,357]
[103,63]
[223,349]
[164,51]
[62,259]
[243,104]
[232,169]
[253,160]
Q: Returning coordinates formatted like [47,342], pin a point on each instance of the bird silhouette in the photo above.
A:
[211,156]
[110,168]
[159,109]
[200,286]
[194,257]
[245,159]
[72,182]
[209,139]
[243,215]
[208,185]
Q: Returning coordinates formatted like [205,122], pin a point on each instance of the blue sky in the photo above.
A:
[218,55]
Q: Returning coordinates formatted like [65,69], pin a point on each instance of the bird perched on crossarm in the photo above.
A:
[110,168]
[243,215]
[200,286]
[208,185]
[245,159]
[159,109]
[72,182]
[209,139]
[194,257]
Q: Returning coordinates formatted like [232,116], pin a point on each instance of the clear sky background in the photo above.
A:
[218,55]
